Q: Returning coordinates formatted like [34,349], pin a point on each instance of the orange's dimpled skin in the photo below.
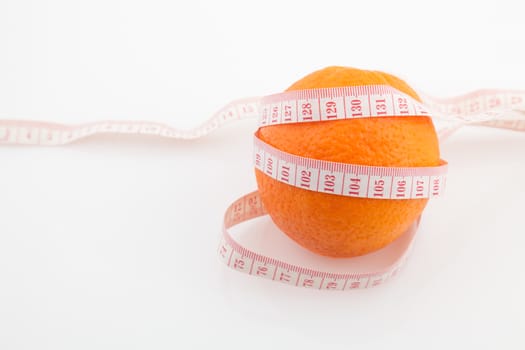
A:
[339,226]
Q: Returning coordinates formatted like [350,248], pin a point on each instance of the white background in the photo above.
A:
[110,243]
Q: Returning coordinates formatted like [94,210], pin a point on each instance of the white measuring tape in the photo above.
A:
[349,180]
[494,108]
[328,104]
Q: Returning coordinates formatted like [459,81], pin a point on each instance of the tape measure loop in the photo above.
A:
[242,259]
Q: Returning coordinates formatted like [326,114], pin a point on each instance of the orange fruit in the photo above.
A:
[339,226]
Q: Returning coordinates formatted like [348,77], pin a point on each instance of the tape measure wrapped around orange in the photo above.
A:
[338,226]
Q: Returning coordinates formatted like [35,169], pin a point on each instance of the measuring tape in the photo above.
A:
[495,108]
[349,180]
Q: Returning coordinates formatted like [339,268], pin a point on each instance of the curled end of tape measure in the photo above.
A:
[385,264]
